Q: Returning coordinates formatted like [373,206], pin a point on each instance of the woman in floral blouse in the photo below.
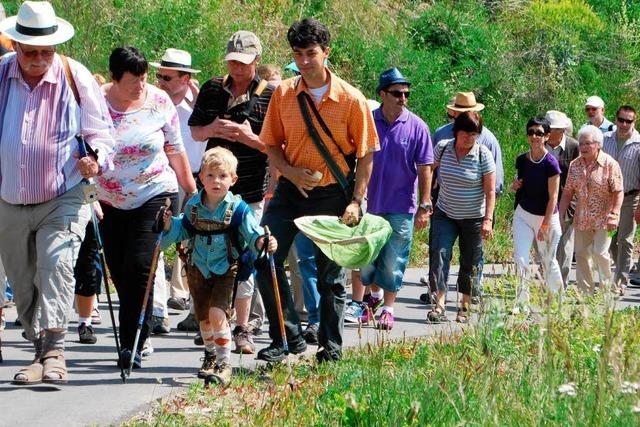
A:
[149,163]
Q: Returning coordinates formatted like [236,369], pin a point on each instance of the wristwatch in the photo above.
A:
[425,206]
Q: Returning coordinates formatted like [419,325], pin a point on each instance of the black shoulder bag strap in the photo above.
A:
[303,100]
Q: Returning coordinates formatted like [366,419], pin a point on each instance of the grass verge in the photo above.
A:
[574,364]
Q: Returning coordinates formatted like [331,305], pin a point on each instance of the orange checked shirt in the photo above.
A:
[345,111]
[593,187]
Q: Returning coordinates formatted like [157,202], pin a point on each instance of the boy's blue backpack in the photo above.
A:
[233,219]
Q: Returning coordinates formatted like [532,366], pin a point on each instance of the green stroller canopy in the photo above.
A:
[349,247]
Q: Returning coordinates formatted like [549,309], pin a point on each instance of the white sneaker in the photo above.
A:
[147,349]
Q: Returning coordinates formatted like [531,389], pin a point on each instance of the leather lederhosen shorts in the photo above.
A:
[216,291]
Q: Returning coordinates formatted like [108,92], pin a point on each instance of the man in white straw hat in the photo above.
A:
[565,149]
[229,112]
[41,189]
[174,76]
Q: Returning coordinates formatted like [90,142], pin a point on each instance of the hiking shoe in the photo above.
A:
[147,348]
[354,312]
[160,325]
[324,356]
[243,340]
[275,353]
[178,303]
[208,363]
[125,357]
[221,374]
[197,340]
[370,311]
[386,320]
[86,334]
[96,319]
[634,282]
[255,327]
[189,324]
[310,334]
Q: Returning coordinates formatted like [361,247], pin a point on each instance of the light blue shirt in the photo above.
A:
[486,138]
[210,252]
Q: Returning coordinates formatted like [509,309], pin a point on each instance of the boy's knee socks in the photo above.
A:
[222,341]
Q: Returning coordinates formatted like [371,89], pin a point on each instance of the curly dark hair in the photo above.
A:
[309,31]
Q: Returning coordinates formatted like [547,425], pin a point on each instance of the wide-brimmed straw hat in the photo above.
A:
[175,59]
[465,101]
[37,24]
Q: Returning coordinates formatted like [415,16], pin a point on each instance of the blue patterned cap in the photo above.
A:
[390,77]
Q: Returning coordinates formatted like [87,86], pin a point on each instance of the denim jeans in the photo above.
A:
[444,232]
[387,271]
[288,204]
[309,274]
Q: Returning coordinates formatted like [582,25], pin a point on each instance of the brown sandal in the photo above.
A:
[463,314]
[28,375]
[55,369]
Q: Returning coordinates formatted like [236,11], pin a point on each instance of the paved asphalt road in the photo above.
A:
[95,394]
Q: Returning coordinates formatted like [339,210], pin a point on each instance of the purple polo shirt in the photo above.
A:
[404,144]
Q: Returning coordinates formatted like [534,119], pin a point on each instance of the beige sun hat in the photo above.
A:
[37,24]
[465,101]
[175,59]
[557,119]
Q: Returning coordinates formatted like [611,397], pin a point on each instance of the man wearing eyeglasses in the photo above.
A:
[41,189]
[175,76]
[405,157]
[229,113]
[594,108]
[623,144]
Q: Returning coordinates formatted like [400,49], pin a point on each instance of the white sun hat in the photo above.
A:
[37,24]
[175,59]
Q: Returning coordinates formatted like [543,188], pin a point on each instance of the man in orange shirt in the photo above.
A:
[302,191]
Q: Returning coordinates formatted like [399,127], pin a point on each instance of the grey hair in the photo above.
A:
[593,132]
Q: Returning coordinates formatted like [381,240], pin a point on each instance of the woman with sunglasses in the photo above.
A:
[536,216]
[149,163]
[463,212]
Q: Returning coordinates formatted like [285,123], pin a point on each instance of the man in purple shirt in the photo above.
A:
[406,156]
[41,189]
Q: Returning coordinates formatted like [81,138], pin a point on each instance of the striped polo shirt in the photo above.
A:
[628,158]
[461,192]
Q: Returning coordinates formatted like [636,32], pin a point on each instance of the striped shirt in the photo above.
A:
[628,158]
[38,128]
[461,181]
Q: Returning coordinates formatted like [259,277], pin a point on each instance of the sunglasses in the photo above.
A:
[399,93]
[590,108]
[627,121]
[451,116]
[31,54]
[532,132]
[163,77]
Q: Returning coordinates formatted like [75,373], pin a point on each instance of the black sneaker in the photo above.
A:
[125,359]
[208,363]
[197,340]
[160,325]
[311,333]
[86,334]
[275,353]
[178,303]
[326,356]
[189,324]
[634,282]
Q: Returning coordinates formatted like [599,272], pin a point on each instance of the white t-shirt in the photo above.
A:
[318,93]
[195,149]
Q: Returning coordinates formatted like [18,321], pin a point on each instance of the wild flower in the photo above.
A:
[629,387]
[596,348]
[568,389]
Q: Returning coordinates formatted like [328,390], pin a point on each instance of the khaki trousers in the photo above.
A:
[39,247]
[622,245]
[592,251]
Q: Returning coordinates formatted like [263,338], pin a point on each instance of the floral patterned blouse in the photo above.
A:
[144,139]
[593,186]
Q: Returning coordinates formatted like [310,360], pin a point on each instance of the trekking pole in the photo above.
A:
[150,279]
[276,292]
[90,197]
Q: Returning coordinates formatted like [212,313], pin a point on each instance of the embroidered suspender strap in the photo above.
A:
[320,145]
[70,79]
